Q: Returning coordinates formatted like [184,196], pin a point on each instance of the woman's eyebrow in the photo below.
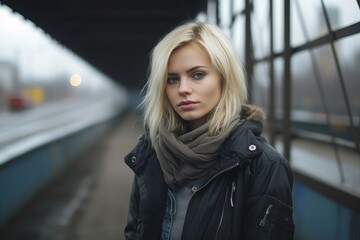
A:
[195,68]
[189,70]
[171,74]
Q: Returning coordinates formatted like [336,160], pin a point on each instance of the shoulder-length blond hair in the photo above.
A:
[223,58]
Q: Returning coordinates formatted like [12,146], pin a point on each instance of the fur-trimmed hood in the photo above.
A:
[252,112]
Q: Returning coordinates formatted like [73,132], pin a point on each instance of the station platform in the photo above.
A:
[89,201]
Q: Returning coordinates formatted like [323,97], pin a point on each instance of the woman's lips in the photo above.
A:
[187,105]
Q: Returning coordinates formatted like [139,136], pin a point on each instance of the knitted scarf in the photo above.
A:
[187,158]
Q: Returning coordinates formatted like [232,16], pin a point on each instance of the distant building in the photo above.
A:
[8,81]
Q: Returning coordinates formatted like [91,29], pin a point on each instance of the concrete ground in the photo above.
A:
[89,201]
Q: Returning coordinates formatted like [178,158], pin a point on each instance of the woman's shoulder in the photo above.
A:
[138,156]
[248,142]
[271,156]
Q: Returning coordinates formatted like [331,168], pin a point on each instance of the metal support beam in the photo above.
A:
[287,83]
[248,47]
[272,126]
[217,12]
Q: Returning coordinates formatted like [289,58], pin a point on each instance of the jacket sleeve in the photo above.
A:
[268,203]
[133,213]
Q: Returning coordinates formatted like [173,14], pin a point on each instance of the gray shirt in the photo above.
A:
[183,196]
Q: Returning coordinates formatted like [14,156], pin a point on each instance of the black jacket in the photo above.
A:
[246,196]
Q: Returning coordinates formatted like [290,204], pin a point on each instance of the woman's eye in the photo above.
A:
[198,75]
[172,79]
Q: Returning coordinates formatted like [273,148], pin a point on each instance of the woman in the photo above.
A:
[202,170]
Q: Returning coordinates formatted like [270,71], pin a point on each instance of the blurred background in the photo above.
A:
[71,75]
[36,69]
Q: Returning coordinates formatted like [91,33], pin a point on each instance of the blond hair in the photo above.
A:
[223,58]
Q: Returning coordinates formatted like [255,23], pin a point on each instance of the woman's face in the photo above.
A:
[193,86]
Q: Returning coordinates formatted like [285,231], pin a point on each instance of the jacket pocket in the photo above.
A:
[276,221]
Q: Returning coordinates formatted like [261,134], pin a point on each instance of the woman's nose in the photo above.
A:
[184,87]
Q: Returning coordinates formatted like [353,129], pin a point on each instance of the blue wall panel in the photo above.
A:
[317,217]
[23,177]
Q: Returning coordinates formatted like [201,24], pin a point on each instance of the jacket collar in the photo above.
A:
[245,140]
[252,112]
[244,144]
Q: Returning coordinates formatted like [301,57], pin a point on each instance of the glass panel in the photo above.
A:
[299,24]
[261,83]
[238,36]
[330,79]
[311,13]
[225,13]
[238,6]
[279,75]
[211,12]
[348,51]
[342,13]
[305,91]
[260,29]
[278,25]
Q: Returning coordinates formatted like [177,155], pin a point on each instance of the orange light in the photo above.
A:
[75,80]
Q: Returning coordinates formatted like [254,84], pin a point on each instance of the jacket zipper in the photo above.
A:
[222,216]
[237,164]
[263,220]
[232,194]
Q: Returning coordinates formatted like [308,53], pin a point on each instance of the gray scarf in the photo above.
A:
[187,158]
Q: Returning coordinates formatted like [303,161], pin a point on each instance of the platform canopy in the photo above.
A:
[115,36]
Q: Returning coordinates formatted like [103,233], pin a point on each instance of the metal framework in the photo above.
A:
[329,38]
